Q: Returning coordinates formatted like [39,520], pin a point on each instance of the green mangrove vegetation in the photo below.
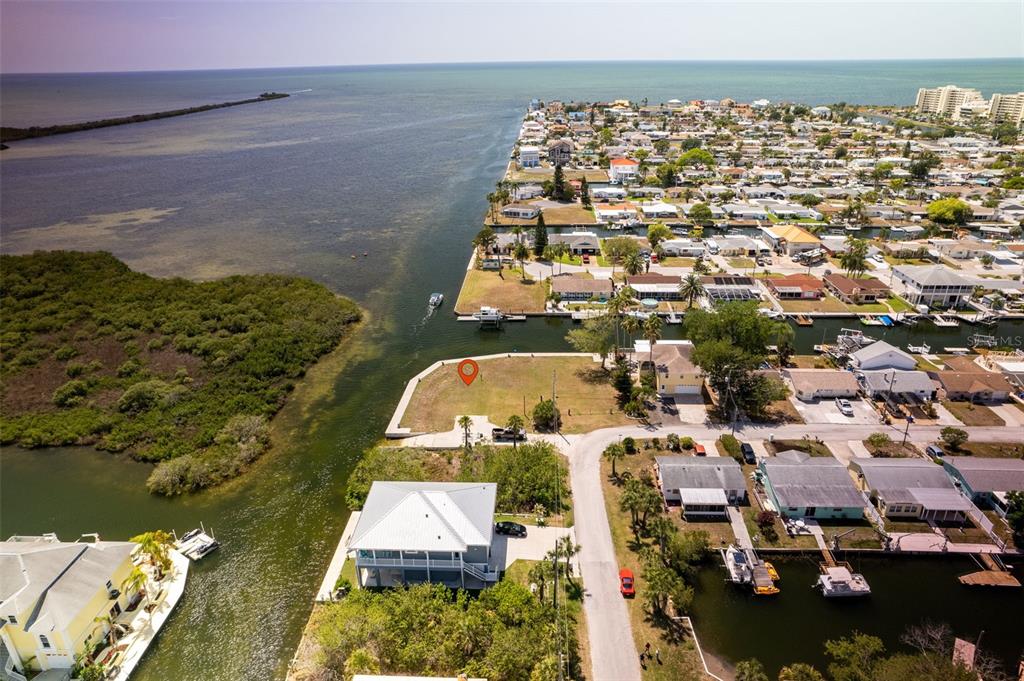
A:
[179,373]
[8,134]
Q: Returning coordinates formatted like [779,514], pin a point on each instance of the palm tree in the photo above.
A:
[465,423]
[613,453]
[135,582]
[108,622]
[517,232]
[521,253]
[800,672]
[662,528]
[516,424]
[568,548]
[652,332]
[691,288]
[854,259]
[539,576]
[633,264]
[632,325]
[155,545]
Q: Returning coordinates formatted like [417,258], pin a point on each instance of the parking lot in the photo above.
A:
[826,411]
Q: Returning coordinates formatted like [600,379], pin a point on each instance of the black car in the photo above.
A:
[507,435]
[748,453]
[510,528]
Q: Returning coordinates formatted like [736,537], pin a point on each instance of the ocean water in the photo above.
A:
[391,161]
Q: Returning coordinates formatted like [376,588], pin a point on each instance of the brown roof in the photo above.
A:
[971,382]
[804,282]
[850,286]
[567,283]
[811,380]
[651,279]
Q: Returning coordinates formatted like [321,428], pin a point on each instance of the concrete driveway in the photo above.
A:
[1010,414]
[826,411]
[538,541]
[688,409]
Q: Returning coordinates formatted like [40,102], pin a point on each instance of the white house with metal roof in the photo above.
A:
[933,285]
[986,480]
[909,487]
[799,486]
[426,532]
[703,486]
[881,355]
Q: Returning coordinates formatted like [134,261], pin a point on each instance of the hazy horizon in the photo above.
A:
[103,36]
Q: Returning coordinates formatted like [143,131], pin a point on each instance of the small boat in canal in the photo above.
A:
[435,300]
[840,581]
[196,544]
[737,566]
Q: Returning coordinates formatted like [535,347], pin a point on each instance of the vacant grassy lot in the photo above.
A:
[679,655]
[973,414]
[506,290]
[504,385]
[992,450]
[741,263]
[569,214]
[893,450]
[827,304]
[676,261]
[812,447]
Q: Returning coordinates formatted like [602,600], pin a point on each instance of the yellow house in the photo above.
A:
[675,371]
[51,596]
[790,239]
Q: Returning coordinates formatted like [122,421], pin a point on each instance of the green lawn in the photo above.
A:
[505,290]
[741,263]
[513,385]
[812,447]
[827,304]
[973,414]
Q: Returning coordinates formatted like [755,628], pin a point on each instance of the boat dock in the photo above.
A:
[994,573]
[743,566]
[197,543]
[803,320]
[939,320]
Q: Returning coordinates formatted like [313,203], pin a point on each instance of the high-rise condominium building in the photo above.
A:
[1007,108]
[945,100]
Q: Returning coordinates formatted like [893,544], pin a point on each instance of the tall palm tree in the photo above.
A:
[568,548]
[632,325]
[854,259]
[652,332]
[691,288]
[515,423]
[521,253]
[614,452]
[108,622]
[633,264]
[465,423]
[156,545]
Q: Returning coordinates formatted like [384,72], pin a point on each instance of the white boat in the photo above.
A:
[435,300]
[771,313]
[839,581]
[491,315]
[939,320]
[738,566]
[196,544]
[923,349]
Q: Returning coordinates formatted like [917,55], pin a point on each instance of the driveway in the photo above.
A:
[1010,414]
[688,408]
[826,411]
[538,541]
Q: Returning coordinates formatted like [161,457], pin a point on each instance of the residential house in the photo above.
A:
[910,487]
[53,596]
[703,486]
[933,285]
[986,480]
[720,287]
[799,485]
[795,287]
[659,209]
[683,247]
[608,193]
[655,286]
[529,156]
[623,170]
[856,291]
[675,371]
[573,288]
[790,239]
[881,355]
[971,385]
[611,212]
[821,384]
[579,243]
[560,152]
[520,211]
[425,532]
[902,386]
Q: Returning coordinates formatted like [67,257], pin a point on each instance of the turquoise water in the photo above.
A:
[392,161]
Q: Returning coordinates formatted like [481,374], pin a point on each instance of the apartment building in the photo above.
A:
[945,100]
[1007,108]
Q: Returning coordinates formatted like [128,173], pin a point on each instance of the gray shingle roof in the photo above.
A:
[688,472]
[812,481]
[898,479]
[989,475]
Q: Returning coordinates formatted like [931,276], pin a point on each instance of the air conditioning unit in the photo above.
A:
[113,593]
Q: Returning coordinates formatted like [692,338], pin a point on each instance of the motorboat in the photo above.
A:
[737,565]
[435,300]
[772,572]
[839,581]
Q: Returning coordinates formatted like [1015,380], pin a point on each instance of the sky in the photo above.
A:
[141,35]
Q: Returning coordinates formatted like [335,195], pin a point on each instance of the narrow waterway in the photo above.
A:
[393,162]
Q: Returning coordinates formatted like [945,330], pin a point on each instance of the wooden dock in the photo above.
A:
[994,574]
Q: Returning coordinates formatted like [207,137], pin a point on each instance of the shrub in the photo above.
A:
[546,416]
[65,352]
[71,393]
[879,440]
[953,437]
[143,396]
[629,444]
[731,446]
[766,524]
[656,443]
[686,443]
[673,442]
[74,369]
[129,368]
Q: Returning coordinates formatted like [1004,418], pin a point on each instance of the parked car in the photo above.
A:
[748,453]
[699,450]
[934,451]
[509,528]
[506,434]
[844,406]
[586,259]
[626,585]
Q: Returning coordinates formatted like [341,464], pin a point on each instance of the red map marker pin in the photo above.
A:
[468,369]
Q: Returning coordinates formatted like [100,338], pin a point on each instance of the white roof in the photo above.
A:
[425,516]
[699,495]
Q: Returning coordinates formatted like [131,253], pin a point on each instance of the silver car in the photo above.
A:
[844,406]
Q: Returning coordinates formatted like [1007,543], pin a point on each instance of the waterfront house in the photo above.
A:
[622,170]
[719,287]
[975,385]
[611,212]
[855,291]
[425,532]
[683,247]
[739,245]
[608,193]
[881,355]
[655,286]
[573,288]
[795,287]
[986,481]
[902,386]
[703,486]
[910,487]
[676,372]
[821,384]
[529,156]
[799,485]
[790,239]
[579,243]
[520,211]
[52,594]
[933,285]
[658,209]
